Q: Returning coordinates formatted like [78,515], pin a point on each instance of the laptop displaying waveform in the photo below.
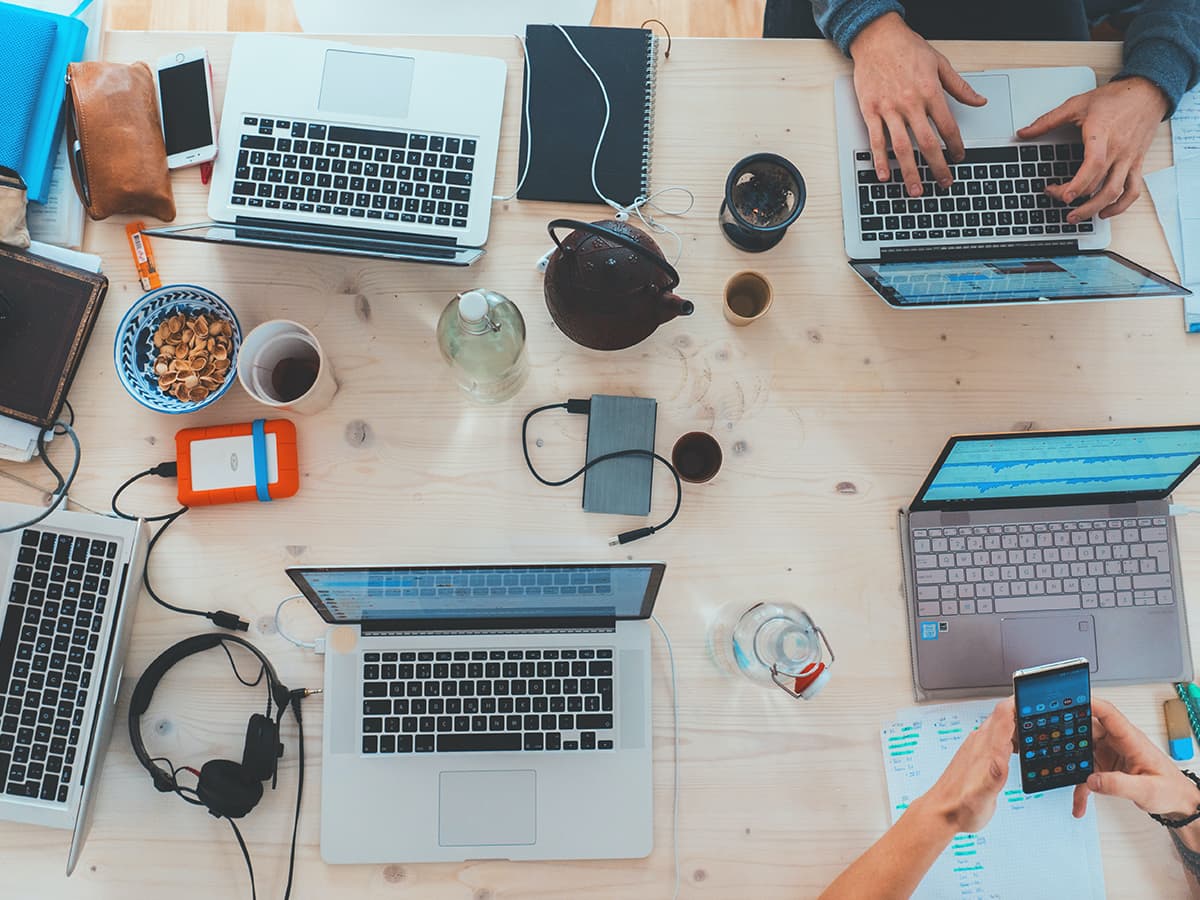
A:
[1041,465]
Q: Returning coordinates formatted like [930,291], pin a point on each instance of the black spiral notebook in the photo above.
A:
[567,109]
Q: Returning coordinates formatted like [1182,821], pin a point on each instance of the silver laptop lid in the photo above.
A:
[471,598]
[1056,468]
[944,278]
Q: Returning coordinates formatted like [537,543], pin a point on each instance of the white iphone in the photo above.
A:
[185,106]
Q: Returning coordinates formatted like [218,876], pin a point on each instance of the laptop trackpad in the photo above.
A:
[366,84]
[1037,640]
[482,808]
[991,121]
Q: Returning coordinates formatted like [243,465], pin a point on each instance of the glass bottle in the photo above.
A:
[481,334]
[772,644]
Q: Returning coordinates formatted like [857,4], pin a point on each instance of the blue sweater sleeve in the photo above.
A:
[842,20]
[1162,45]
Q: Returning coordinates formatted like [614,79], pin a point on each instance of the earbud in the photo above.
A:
[544,262]
[622,215]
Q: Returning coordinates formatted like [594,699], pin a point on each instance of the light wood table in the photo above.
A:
[829,411]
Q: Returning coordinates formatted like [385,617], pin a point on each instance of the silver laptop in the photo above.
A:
[365,151]
[1027,548]
[70,587]
[504,711]
[994,236]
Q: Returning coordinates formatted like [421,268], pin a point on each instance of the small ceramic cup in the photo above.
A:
[282,366]
[748,296]
[697,457]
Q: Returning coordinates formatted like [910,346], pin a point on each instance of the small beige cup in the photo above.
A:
[274,355]
[748,296]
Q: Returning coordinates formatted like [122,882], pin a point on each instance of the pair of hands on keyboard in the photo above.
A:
[899,79]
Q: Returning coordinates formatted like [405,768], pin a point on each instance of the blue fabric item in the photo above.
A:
[24,53]
[1162,44]
[259,435]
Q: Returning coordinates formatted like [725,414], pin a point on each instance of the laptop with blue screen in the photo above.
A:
[486,712]
[1026,548]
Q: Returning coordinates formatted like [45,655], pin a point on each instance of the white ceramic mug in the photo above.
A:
[284,342]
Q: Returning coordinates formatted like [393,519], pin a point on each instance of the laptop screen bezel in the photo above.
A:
[1046,500]
[486,623]
[1171,289]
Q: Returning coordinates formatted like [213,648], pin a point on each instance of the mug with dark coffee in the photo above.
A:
[697,457]
[282,365]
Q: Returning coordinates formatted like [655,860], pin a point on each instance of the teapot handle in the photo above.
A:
[615,237]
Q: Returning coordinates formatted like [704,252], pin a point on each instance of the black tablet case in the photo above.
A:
[48,311]
[567,109]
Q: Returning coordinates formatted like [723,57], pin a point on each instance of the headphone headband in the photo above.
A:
[143,692]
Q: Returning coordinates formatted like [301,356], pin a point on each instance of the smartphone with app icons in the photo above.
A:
[1054,724]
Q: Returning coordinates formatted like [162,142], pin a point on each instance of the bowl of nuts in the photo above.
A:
[176,349]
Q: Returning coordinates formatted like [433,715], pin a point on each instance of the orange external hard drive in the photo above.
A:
[237,463]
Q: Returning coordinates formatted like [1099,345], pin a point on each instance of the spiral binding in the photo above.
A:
[648,114]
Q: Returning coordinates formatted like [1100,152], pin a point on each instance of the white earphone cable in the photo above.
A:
[674,754]
[528,124]
[307,645]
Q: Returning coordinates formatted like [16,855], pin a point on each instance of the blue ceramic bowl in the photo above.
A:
[135,354]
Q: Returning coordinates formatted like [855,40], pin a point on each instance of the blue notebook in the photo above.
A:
[35,48]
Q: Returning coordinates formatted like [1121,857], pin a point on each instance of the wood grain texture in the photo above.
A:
[829,412]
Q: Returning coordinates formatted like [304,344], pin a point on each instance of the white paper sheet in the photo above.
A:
[1032,847]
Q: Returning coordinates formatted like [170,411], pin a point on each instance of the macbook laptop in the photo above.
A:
[365,151]
[67,601]
[504,711]
[1027,548]
[993,236]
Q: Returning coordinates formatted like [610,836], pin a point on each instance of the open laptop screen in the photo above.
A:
[457,594]
[1086,466]
[1097,275]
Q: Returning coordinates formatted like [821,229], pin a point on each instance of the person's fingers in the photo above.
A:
[932,150]
[1106,196]
[943,120]
[878,147]
[902,147]
[1064,114]
[1079,801]
[957,86]
[1095,165]
[1133,190]
[1137,789]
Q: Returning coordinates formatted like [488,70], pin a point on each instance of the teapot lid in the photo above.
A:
[611,234]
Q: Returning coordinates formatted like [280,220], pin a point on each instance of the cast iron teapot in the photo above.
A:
[608,285]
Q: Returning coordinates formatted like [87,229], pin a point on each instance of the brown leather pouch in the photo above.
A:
[120,164]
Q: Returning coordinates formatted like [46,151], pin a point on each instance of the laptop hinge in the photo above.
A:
[484,627]
[484,632]
[1007,250]
[342,234]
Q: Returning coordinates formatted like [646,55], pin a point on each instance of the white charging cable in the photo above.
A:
[621,213]
[307,645]
[674,755]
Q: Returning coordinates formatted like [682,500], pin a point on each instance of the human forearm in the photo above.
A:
[1162,45]
[896,863]
[842,20]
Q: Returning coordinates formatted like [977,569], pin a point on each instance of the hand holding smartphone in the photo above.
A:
[185,107]
[1054,724]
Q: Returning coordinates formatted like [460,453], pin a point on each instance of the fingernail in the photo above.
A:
[1072,219]
[1068,197]
[944,182]
[915,191]
[883,174]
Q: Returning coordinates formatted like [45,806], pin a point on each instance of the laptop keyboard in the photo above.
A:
[997,192]
[48,645]
[487,700]
[356,173]
[1049,565]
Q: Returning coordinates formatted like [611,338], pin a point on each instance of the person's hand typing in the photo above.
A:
[966,793]
[1128,765]
[1118,122]
[899,79]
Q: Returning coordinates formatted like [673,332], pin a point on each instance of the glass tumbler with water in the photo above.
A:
[775,643]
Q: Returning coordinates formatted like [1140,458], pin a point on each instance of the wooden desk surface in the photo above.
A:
[829,411]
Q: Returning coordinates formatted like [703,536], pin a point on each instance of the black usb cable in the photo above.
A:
[583,407]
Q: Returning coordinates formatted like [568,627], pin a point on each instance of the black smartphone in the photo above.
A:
[1054,724]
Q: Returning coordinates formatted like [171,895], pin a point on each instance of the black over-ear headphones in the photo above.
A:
[227,788]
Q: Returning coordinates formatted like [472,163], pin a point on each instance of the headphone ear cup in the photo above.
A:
[227,789]
[262,750]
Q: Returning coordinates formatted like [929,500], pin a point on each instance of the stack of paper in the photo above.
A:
[1176,193]
[18,440]
[1033,846]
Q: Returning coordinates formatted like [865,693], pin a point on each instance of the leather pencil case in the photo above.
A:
[118,158]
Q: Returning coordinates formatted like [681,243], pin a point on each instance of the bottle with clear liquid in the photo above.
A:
[482,336]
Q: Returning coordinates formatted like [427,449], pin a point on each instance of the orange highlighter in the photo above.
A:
[237,463]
